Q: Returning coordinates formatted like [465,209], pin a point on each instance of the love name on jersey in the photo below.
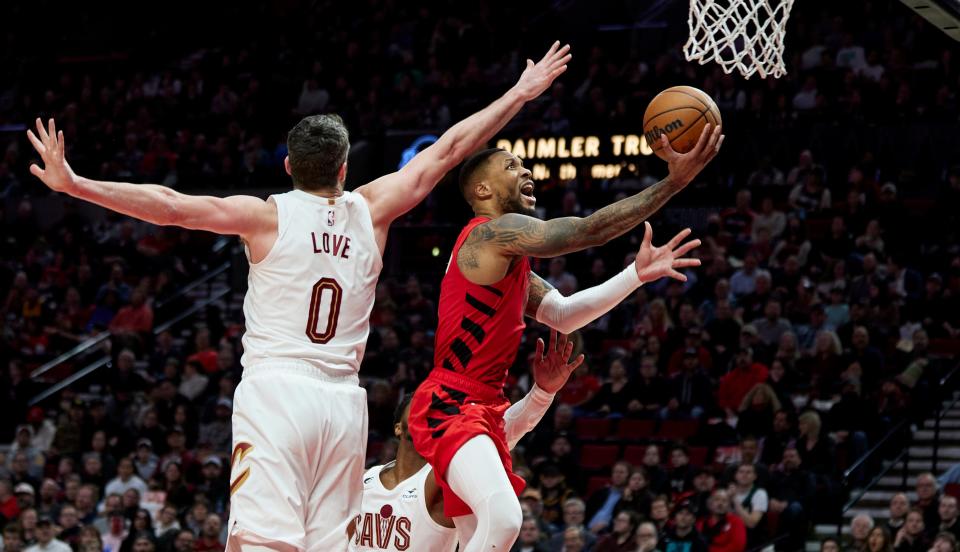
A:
[331,244]
[376,531]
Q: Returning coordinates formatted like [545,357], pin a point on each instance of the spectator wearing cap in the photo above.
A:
[741,379]
[601,504]
[703,482]
[807,333]
[44,430]
[531,503]
[144,460]
[217,433]
[177,449]
[682,535]
[690,390]
[553,491]
[692,339]
[214,484]
[45,539]
[723,530]
[26,495]
[126,479]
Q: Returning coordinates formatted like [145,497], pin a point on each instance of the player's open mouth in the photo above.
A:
[527,191]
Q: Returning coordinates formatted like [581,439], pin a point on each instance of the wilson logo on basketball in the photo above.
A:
[382,530]
[654,133]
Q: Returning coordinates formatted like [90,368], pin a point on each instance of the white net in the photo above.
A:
[746,35]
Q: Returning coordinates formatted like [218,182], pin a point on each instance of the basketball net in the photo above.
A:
[746,35]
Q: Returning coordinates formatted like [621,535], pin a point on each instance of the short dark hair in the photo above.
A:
[472,166]
[402,407]
[317,146]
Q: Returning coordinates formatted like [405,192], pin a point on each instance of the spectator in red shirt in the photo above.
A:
[9,509]
[135,318]
[209,540]
[734,386]
[580,388]
[723,531]
[205,353]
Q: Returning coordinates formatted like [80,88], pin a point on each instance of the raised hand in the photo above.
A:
[537,77]
[56,173]
[653,263]
[551,370]
[685,166]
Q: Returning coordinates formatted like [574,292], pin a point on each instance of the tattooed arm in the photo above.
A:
[492,247]
[567,314]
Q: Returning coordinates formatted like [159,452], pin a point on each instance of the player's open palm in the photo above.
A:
[537,77]
[653,262]
[552,369]
[56,173]
[685,166]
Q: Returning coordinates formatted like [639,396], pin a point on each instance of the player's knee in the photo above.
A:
[506,517]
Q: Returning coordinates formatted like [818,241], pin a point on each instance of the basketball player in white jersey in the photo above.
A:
[300,417]
[402,504]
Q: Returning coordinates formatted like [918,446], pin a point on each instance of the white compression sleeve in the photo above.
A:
[525,414]
[568,314]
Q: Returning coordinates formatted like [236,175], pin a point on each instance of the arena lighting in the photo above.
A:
[944,14]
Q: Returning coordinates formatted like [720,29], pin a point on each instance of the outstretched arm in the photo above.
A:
[394,194]
[567,314]
[515,234]
[550,373]
[237,215]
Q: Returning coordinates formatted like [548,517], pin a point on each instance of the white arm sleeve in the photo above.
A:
[525,414]
[568,314]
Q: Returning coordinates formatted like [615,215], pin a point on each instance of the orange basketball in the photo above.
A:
[680,112]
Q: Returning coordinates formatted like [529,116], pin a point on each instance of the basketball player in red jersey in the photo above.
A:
[456,416]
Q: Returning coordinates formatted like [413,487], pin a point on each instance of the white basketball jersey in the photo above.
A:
[398,519]
[310,298]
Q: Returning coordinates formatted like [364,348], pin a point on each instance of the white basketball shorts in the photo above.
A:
[299,443]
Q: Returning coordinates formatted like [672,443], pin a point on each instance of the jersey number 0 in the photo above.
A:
[324,335]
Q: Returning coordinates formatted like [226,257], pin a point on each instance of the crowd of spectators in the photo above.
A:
[727,406]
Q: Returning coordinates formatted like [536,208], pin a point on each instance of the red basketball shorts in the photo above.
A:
[446,411]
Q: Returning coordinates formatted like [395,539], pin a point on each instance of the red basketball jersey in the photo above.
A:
[480,326]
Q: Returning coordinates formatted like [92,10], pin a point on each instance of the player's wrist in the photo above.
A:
[541,395]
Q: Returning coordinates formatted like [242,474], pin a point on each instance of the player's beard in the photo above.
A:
[517,205]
